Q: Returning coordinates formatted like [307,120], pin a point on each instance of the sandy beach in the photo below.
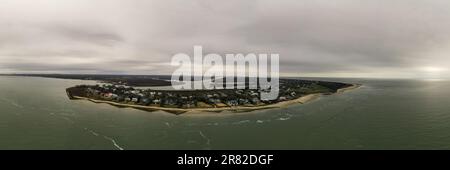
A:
[301,100]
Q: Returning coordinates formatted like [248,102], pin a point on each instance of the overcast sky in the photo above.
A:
[349,38]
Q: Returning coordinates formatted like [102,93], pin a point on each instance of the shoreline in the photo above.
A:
[238,109]
[354,86]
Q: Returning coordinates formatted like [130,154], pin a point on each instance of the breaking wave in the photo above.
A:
[208,141]
[113,141]
[12,102]
[241,122]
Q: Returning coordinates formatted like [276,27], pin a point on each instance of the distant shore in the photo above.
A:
[300,100]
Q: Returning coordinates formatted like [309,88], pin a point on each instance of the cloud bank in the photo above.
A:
[350,38]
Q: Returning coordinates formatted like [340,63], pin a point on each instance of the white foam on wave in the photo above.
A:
[284,118]
[213,124]
[114,142]
[241,122]
[105,137]
[16,104]
[208,141]
[67,114]
[92,132]
[69,120]
[168,124]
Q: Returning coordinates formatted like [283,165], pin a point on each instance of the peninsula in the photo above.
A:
[181,101]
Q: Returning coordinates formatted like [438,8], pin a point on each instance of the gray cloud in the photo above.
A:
[88,35]
[314,38]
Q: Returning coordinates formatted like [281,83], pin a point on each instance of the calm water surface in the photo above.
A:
[35,113]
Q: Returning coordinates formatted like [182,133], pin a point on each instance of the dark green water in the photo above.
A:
[35,113]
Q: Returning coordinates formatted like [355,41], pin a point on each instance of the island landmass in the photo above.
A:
[292,91]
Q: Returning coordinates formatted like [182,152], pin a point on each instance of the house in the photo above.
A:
[120,98]
[232,102]
[95,92]
[293,94]
[135,99]
[114,96]
[128,99]
[255,100]
[214,101]
[187,105]
[108,95]
[243,101]
[145,101]
[253,93]
[156,101]
[169,102]
[240,92]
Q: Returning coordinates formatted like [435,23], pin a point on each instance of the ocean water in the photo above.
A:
[35,113]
